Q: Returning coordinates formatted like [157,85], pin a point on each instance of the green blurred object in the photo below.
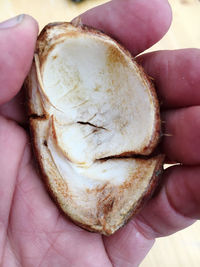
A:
[77,1]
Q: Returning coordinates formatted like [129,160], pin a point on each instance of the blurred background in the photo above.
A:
[183,248]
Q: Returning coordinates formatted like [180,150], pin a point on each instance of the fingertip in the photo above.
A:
[18,37]
[163,17]
[30,22]
[182,188]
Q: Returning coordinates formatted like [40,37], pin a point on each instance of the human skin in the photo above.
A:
[33,232]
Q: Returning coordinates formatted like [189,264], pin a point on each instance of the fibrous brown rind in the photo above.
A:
[114,203]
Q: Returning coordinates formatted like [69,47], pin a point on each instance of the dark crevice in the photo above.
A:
[45,143]
[90,124]
[131,156]
[36,116]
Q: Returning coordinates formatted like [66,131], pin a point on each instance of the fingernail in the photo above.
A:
[11,22]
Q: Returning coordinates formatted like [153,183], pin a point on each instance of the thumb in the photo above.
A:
[17,41]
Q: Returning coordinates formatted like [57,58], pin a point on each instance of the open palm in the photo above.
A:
[33,232]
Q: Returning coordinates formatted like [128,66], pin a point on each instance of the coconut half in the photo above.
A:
[95,121]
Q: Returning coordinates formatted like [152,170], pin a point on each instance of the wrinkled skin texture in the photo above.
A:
[32,230]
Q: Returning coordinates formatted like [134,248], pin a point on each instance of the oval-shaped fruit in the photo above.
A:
[95,121]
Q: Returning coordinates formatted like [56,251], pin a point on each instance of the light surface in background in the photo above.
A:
[181,249]
[178,250]
[185,28]
[46,11]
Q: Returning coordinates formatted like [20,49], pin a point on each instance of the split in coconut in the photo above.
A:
[95,112]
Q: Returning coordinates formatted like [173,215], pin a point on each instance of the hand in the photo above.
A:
[32,230]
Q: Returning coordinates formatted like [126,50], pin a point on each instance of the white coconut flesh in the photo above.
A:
[99,107]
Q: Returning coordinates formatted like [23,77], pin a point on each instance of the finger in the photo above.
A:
[177,204]
[137,24]
[12,143]
[15,109]
[176,76]
[128,246]
[175,207]
[17,42]
[181,142]
[182,189]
